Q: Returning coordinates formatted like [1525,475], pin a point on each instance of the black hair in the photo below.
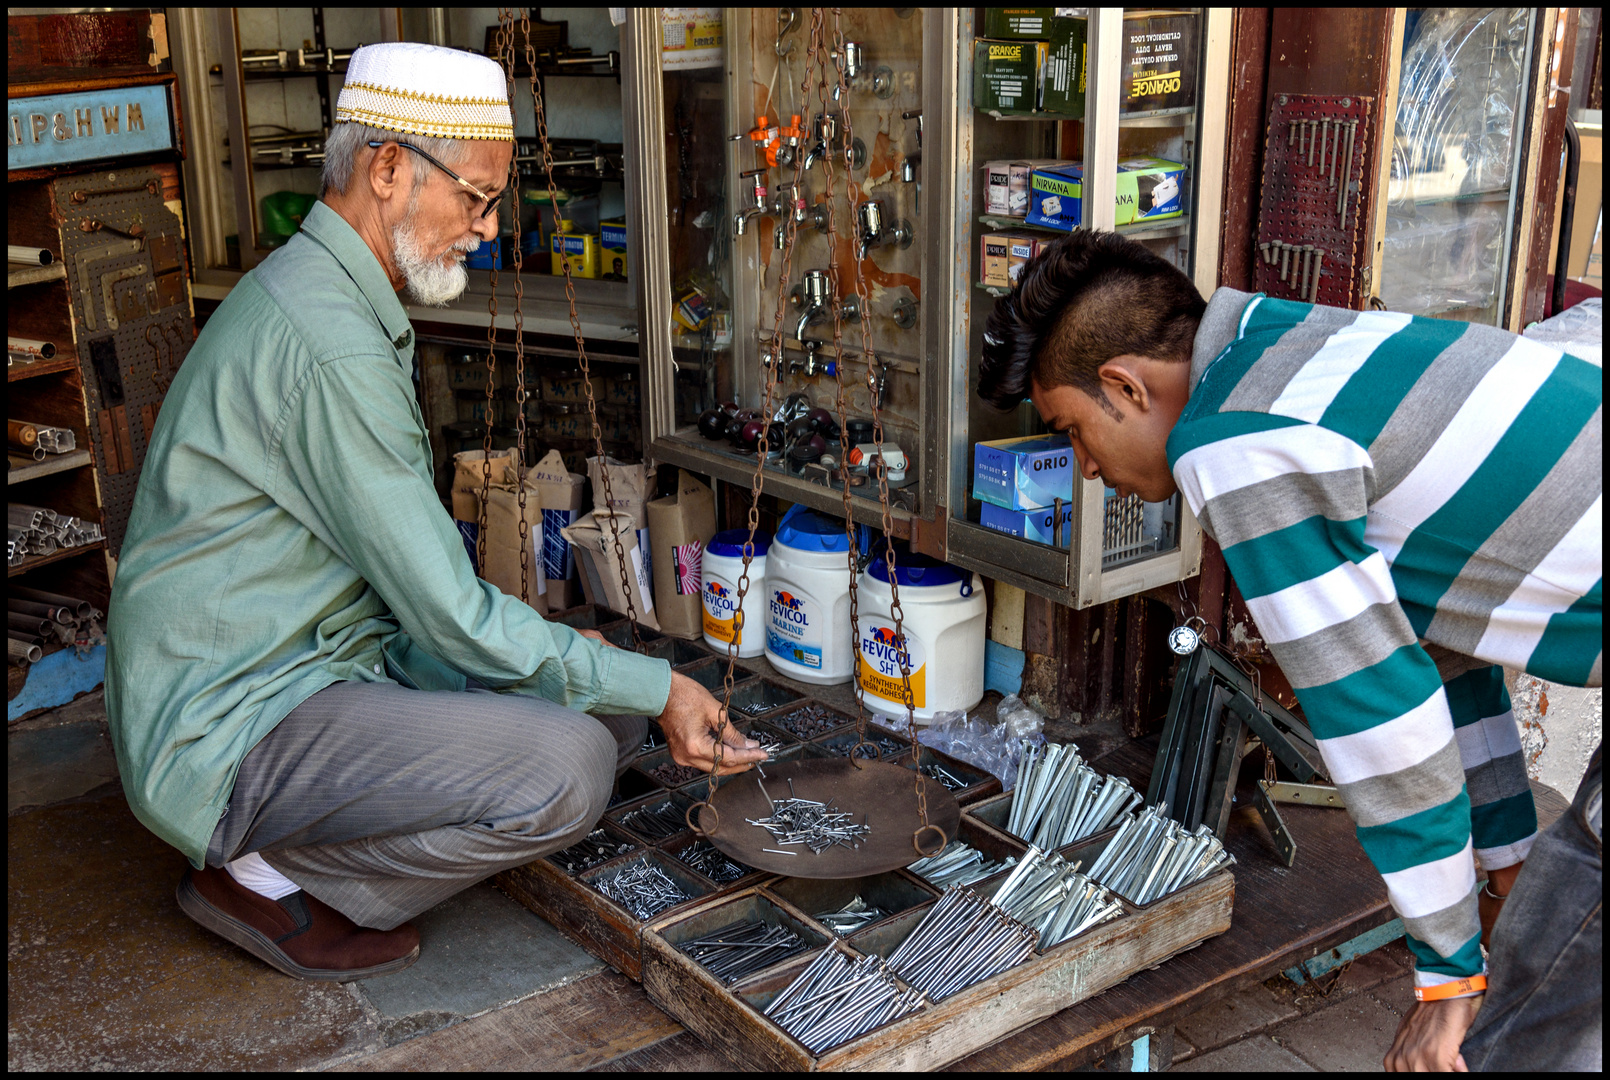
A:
[1083,300]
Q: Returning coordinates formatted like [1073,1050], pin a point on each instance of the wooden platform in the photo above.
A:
[1282,917]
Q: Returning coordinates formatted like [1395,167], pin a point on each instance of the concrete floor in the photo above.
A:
[106,973]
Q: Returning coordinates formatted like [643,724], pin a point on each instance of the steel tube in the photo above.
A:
[23,652]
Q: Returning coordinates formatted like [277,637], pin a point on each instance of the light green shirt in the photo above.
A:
[286,536]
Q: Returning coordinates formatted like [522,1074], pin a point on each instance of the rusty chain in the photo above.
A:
[863,310]
[581,354]
[504,44]
[520,393]
[790,236]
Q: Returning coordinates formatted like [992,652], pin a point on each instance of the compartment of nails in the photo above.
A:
[975,855]
[961,940]
[741,937]
[620,634]
[708,860]
[711,673]
[846,906]
[677,651]
[585,617]
[960,779]
[646,884]
[810,720]
[654,817]
[653,740]
[659,767]
[631,786]
[599,846]
[1058,798]
[1151,856]
[760,696]
[838,997]
[840,744]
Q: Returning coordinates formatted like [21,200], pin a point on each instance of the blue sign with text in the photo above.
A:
[90,125]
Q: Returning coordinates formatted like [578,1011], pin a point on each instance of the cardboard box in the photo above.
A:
[1160,54]
[612,250]
[1006,185]
[1020,251]
[1149,189]
[1033,525]
[580,250]
[1018,24]
[1007,74]
[994,260]
[1067,67]
[1024,474]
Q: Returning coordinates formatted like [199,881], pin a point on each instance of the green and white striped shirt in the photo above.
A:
[1377,481]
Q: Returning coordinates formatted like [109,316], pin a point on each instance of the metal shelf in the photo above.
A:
[1135,230]
[33,562]
[55,463]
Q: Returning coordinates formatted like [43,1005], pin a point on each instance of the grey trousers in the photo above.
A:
[384,801]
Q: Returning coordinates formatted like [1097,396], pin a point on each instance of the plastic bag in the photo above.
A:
[994,749]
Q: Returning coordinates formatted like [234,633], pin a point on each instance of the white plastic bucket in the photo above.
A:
[808,635]
[723,565]
[941,637]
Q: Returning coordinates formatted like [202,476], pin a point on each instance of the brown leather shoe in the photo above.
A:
[298,934]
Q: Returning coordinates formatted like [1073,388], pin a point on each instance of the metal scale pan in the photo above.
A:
[884,792]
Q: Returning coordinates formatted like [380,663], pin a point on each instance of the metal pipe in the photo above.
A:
[23,255]
[1562,258]
[29,350]
[22,652]
[80,608]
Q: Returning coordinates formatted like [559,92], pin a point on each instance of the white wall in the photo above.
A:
[1566,722]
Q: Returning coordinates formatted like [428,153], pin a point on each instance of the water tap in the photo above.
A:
[740,220]
[816,296]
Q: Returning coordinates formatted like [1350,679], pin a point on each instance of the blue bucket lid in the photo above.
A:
[920,571]
[731,542]
[806,530]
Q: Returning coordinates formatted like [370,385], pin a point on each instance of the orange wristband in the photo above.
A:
[1470,985]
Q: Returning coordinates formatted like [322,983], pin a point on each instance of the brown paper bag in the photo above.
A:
[466,492]
[559,494]
[593,539]
[681,525]
[627,487]
[503,543]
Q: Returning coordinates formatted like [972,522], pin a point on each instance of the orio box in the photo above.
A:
[1024,474]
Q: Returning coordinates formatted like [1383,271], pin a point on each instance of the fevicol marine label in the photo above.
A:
[794,627]
[877,664]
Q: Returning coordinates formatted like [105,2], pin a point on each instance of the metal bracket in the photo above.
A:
[1304,794]
[1284,844]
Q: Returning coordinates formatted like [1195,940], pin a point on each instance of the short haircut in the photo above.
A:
[1085,299]
[346,141]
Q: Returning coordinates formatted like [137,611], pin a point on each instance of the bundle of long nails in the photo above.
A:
[808,721]
[1059,799]
[656,821]
[958,864]
[712,863]
[588,852]
[837,998]
[1152,855]
[743,948]
[963,940]
[814,824]
[851,917]
[1049,893]
[641,888]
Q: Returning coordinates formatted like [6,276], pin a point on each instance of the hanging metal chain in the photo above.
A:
[581,353]
[853,195]
[504,44]
[520,394]
[790,237]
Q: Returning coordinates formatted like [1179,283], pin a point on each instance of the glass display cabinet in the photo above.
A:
[727,151]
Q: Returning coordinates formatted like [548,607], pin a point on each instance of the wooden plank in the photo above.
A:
[584,1025]
[1530,259]
[1243,163]
[582,914]
[680,1053]
[55,463]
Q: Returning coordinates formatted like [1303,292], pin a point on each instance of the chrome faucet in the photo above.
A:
[740,220]
[817,295]
[827,128]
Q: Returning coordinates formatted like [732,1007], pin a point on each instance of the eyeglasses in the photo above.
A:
[490,200]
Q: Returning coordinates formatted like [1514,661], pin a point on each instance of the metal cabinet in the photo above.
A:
[711,184]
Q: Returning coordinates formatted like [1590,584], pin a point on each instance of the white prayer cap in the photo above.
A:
[422,89]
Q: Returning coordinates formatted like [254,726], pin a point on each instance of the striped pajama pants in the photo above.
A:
[383,801]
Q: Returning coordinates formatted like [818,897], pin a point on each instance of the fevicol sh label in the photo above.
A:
[878,662]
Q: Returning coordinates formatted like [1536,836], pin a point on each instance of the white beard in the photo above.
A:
[432,282]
